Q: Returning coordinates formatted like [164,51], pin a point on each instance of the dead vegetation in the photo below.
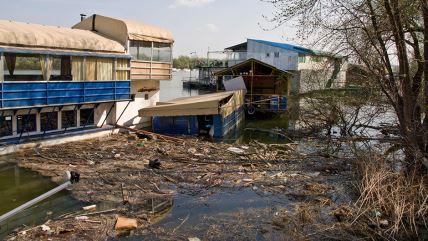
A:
[393,203]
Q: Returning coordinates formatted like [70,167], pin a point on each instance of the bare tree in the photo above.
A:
[387,37]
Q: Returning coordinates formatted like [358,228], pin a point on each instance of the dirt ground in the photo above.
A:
[116,169]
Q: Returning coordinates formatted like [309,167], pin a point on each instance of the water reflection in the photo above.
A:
[19,185]
[172,89]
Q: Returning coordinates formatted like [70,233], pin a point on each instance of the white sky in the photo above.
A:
[195,24]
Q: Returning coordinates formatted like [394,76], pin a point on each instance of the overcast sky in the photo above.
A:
[195,24]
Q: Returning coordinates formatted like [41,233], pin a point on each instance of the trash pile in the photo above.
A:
[141,176]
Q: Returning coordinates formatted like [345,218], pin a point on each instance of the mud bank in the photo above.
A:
[279,193]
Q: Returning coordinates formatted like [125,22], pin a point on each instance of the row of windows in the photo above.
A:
[275,54]
[25,67]
[150,51]
[48,121]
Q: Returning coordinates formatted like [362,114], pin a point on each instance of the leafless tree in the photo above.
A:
[389,39]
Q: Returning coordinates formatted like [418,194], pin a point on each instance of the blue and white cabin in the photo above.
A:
[60,81]
[313,70]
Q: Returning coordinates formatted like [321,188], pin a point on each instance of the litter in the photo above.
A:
[235,150]
[91,207]
[123,223]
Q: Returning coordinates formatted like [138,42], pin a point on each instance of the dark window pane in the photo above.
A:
[49,121]
[68,119]
[5,126]
[162,52]
[26,123]
[86,117]
[145,51]
[133,49]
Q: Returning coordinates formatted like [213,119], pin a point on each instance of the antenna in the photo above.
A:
[82,16]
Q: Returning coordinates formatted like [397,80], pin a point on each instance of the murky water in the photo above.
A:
[19,185]
[196,208]
[172,89]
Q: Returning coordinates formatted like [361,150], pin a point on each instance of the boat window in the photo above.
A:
[5,126]
[96,68]
[104,68]
[141,50]
[122,71]
[133,49]
[162,52]
[61,68]
[145,50]
[26,123]
[77,68]
[49,121]
[22,68]
[276,54]
[36,67]
[68,119]
[86,117]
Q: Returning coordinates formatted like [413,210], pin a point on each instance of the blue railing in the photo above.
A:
[16,94]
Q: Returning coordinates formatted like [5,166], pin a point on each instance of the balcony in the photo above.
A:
[19,94]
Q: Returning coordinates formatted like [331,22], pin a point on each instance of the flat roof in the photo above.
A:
[208,104]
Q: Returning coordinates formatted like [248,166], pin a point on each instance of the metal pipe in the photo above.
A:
[72,177]
[108,113]
[126,107]
[25,125]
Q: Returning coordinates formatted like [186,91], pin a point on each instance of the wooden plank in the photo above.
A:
[140,64]
[140,71]
[160,72]
[151,134]
[1,67]
[161,65]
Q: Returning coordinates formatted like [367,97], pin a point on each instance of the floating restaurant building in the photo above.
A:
[57,81]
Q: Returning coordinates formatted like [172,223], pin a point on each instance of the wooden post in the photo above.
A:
[46,68]
[151,62]
[84,68]
[252,78]
[1,67]
[115,69]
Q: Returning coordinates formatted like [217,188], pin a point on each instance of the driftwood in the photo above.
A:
[151,134]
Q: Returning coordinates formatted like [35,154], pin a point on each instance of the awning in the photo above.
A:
[122,29]
[27,35]
[209,104]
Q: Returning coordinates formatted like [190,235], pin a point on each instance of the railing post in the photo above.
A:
[47,93]
[2,76]
[1,67]
[115,92]
[2,94]
[115,69]
[84,91]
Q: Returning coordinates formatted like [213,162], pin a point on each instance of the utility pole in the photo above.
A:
[208,57]
[190,67]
